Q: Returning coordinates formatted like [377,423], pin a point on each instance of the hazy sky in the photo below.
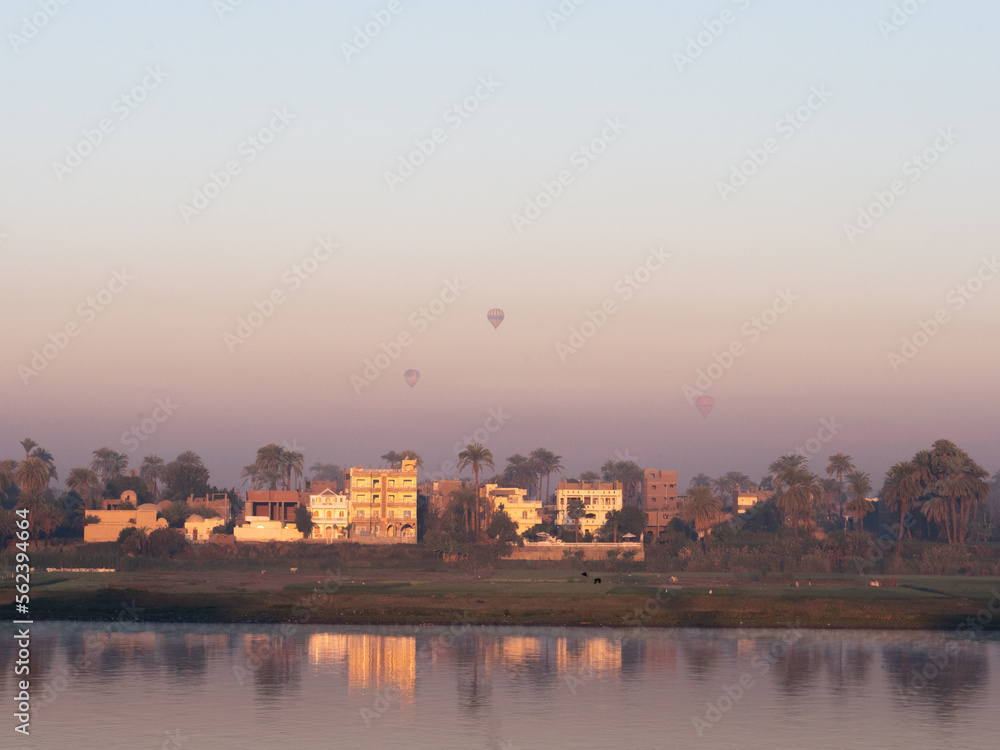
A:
[803,182]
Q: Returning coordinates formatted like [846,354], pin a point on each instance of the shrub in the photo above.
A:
[133,541]
[166,542]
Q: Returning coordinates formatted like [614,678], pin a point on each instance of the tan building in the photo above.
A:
[198,529]
[275,505]
[598,499]
[383,502]
[263,529]
[218,501]
[746,500]
[522,511]
[111,523]
[330,513]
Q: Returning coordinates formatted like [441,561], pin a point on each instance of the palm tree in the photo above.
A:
[701,480]
[109,463]
[392,459]
[7,475]
[85,483]
[859,484]
[464,498]
[476,456]
[702,508]
[798,486]
[28,444]
[827,487]
[151,471]
[46,456]
[519,471]
[788,461]
[590,476]
[724,487]
[292,462]
[32,475]
[326,473]
[46,518]
[552,463]
[538,459]
[575,511]
[840,464]
[901,490]
[251,473]
[270,465]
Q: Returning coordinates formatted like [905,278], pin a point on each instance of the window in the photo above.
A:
[406,514]
[360,514]
[390,514]
[341,514]
[375,514]
[524,514]
[329,514]
[392,497]
[392,482]
[315,514]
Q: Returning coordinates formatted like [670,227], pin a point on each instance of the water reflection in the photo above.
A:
[505,684]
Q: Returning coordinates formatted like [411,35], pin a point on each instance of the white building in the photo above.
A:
[330,515]
[598,499]
[522,511]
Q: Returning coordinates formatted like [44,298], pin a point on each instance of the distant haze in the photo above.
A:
[268,217]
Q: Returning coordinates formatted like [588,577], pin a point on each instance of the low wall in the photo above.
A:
[593,551]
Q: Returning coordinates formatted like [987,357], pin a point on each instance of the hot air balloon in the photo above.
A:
[705,405]
[411,377]
[495,316]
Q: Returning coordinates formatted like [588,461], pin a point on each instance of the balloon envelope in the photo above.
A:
[411,377]
[495,316]
[705,405]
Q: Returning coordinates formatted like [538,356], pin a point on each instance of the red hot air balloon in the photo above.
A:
[495,316]
[411,377]
[705,405]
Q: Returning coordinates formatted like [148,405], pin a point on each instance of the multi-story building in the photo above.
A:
[383,502]
[597,497]
[659,500]
[522,511]
[330,513]
[659,490]
[439,491]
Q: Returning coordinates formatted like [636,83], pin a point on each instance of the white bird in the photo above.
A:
[710,591]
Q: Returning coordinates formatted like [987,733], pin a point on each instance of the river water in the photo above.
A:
[134,685]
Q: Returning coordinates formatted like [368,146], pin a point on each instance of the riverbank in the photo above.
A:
[509,597]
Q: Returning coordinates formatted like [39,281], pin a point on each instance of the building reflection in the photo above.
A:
[274,663]
[374,662]
[946,677]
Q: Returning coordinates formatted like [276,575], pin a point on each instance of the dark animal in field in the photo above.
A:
[597,580]
[584,574]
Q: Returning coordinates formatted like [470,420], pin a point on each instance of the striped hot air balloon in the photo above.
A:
[495,316]
[411,377]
